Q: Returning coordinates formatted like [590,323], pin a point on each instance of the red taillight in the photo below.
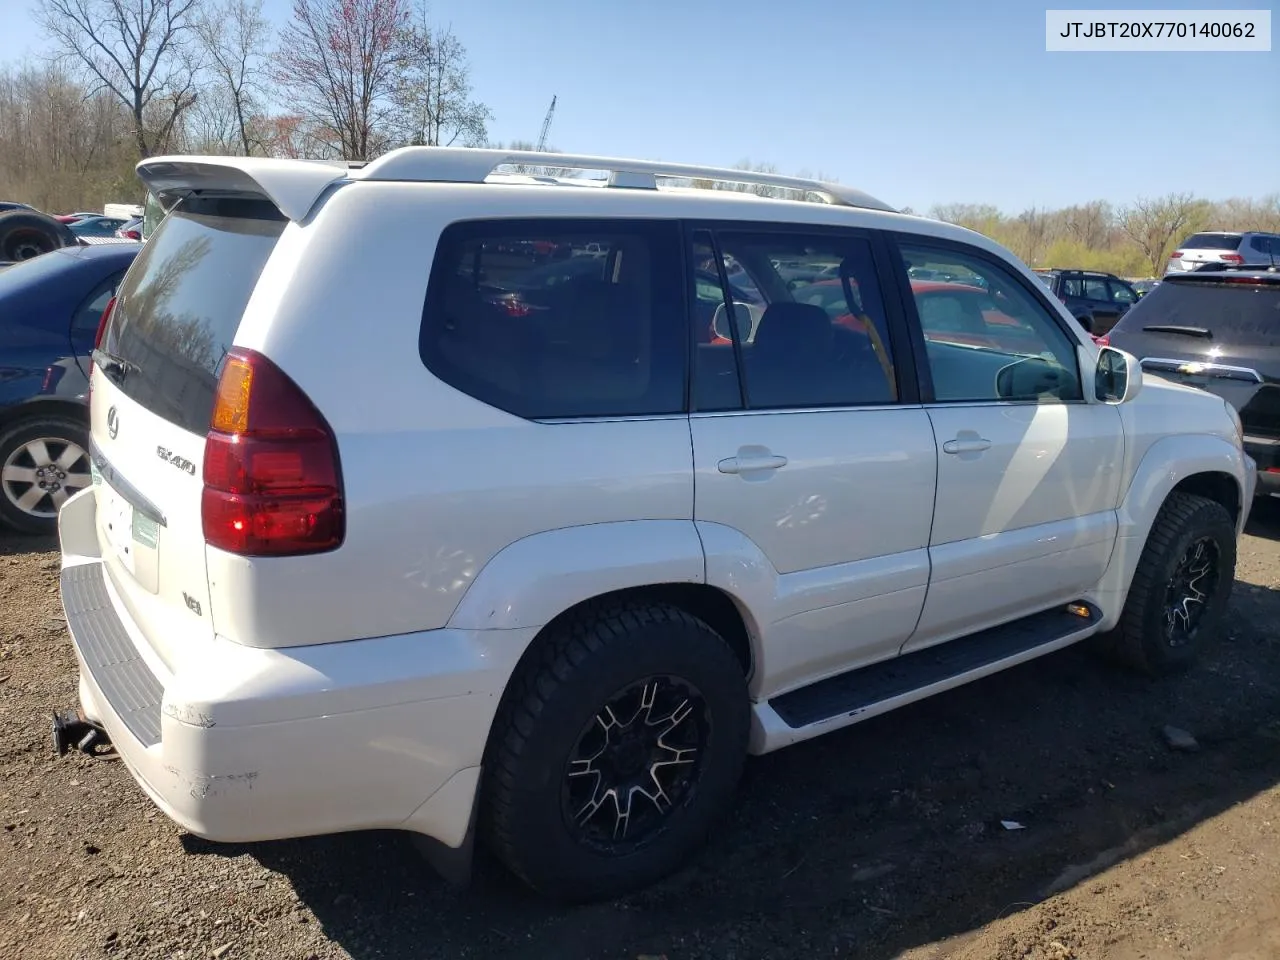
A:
[1232,258]
[97,338]
[102,323]
[1176,255]
[272,482]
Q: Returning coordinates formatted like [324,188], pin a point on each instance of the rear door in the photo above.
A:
[809,447]
[154,380]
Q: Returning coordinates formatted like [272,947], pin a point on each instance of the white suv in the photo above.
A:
[411,513]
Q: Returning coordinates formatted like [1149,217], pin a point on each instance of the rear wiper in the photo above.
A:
[1187,331]
[117,368]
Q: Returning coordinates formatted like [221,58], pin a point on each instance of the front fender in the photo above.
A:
[1168,462]
[531,581]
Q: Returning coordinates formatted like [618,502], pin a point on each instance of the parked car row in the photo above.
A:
[26,232]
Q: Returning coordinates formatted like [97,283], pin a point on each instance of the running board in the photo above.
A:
[890,683]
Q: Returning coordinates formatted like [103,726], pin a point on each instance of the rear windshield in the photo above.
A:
[177,312]
[1235,314]
[1212,241]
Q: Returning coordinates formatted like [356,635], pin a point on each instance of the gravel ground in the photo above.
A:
[881,841]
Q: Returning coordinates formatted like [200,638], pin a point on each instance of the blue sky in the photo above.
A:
[915,101]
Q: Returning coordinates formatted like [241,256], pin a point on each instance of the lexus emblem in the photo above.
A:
[113,423]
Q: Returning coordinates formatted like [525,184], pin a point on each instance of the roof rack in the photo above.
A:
[467,165]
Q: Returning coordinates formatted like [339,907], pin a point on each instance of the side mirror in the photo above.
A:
[742,317]
[1117,377]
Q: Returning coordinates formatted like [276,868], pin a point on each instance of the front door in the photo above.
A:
[814,464]
[1028,471]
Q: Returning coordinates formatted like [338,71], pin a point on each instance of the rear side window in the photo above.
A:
[1211,241]
[815,333]
[177,313]
[85,320]
[558,319]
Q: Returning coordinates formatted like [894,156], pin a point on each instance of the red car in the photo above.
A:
[73,217]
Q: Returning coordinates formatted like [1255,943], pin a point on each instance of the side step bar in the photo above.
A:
[848,695]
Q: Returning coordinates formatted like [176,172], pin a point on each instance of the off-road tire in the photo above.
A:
[25,234]
[555,695]
[1139,640]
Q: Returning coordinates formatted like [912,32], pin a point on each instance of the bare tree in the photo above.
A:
[339,62]
[234,37]
[294,137]
[1032,234]
[61,146]
[982,217]
[1089,224]
[1155,225]
[433,92]
[137,49]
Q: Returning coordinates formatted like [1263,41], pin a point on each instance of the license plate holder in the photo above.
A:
[117,517]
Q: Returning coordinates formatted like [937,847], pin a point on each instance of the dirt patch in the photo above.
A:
[884,840]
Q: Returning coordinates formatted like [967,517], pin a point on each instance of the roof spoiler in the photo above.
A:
[293,186]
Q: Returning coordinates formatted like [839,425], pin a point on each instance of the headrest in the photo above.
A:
[787,327]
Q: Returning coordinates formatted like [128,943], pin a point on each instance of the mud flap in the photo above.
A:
[453,864]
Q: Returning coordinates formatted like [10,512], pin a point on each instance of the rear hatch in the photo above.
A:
[156,372]
[1219,332]
[1201,248]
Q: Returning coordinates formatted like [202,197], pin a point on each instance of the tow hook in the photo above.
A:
[71,729]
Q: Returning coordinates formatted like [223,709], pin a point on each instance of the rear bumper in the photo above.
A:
[243,744]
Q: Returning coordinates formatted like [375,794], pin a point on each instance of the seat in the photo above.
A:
[801,359]
[791,363]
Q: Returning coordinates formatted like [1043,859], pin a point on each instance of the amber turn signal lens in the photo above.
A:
[231,405]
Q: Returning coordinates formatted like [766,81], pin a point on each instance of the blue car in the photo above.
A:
[50,306]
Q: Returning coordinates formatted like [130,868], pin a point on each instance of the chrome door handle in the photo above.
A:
[750,464]
[967,445]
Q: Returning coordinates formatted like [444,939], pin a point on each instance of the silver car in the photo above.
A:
[1254,249]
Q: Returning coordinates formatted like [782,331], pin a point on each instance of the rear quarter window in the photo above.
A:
[559,318]
[177,313]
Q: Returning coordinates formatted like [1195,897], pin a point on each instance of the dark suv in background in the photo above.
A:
[1095,299]
[1218,329]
